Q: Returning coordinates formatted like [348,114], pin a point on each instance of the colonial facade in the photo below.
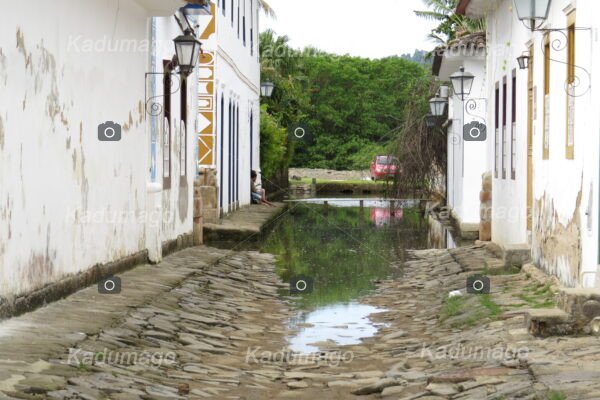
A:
[543,151]
[229,113]
[467,159]
[97,161]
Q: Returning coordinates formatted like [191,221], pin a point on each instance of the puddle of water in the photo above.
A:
[343,249]
[344,324]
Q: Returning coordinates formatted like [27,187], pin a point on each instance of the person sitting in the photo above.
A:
[258,196]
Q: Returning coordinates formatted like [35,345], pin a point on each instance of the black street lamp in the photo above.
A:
[266,89]
[532,10]
[438,106]
[187,48]
[430,120]
[462,82]
[523,61]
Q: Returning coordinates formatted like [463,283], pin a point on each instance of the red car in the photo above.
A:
[384,167]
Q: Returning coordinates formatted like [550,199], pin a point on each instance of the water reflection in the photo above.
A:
[342,324]
[386,216]
[344,248]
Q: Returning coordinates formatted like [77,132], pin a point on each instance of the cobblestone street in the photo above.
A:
[210,323]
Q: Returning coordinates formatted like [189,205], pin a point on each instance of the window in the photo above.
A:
[251,140]
[504,130]
[223,6]
[238,17]
[251,27]
[497,131]
[231,12]
[513,127]
[221,112]
[182,130]
[546,136]
[229,152]
[570,144]
[167,125]
[237,152]
[244,25]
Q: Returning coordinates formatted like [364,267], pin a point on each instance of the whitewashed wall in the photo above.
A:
[67,200]
[238,80]
[564,237]
[466,159]
[507,39]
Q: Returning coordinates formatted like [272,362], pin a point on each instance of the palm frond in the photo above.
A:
[267,9]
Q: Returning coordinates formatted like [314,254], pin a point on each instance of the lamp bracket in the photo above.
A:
[560,44]
[471,106]
[152,105]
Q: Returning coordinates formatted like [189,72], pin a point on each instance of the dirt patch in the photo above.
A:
[328,174]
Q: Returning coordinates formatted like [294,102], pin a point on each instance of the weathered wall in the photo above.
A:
[67,200]
[564,236]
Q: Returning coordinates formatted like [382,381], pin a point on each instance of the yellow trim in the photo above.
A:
[570,103]
[546,110]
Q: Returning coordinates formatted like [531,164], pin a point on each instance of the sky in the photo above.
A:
[371,28]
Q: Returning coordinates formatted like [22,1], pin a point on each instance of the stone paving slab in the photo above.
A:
[46,332]
[243,225]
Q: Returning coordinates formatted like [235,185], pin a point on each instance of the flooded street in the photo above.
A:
[341,249]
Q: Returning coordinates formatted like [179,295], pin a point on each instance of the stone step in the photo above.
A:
[548,322]
[583,306]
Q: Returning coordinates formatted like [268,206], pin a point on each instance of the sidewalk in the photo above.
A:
[241,226]
[187,315]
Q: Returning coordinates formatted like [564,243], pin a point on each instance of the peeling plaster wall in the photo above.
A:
[67,200]
[176,201]
[564,236]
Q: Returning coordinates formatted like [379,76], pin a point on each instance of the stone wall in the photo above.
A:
[485,197]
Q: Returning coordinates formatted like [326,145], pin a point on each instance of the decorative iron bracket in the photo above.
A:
[560,44]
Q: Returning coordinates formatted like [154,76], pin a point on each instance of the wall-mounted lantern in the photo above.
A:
[266,89]
[523,61]
[462,82]
[431,120]
[187,48]
[437,106]
[532,11]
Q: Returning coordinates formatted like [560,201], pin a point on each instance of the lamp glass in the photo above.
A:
[266,89]
[528,10]
[523,62]
[187,48]
[437,106]
[462,82]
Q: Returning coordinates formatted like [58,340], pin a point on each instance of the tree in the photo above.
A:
[449,22]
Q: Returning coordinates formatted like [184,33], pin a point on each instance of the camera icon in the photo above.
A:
[301,284]
[109,132]
[299,132]
[111,285]
[474,132]
[478,284]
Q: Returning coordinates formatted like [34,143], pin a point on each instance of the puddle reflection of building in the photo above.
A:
[386,216]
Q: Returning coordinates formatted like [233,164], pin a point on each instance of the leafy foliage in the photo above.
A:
[352,106]
[273,147]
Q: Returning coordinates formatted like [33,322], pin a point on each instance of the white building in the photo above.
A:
[467,159]
[70,201]
[545,152]
[229,105]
